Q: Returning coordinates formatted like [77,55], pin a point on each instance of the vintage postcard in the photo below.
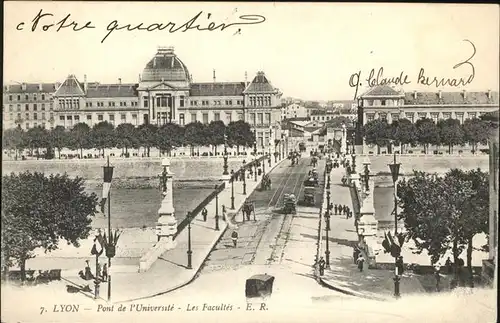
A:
[249,162]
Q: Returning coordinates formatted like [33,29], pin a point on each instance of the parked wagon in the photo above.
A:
[259,286]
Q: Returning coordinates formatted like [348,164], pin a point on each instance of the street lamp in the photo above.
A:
[244,179]
[255,170]
[232,192]
[111,245]
[366,176]
[353,156]
[394,168]
[189,252]
[328,182]
[327,229]
[225,155]
[217,209]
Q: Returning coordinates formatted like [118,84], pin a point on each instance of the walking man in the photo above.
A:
[234,237]
[335,209]
[360,262]
[321,266]
[204,213]
[105,272]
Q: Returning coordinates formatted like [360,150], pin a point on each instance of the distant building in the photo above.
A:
[490,265]
[164,94]
[28,104]
[294,110]
[387,103]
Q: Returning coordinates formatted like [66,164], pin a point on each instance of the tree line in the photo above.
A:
[444,213]
[425,132]
[127,136]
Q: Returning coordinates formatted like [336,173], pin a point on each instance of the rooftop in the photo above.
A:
[217,89]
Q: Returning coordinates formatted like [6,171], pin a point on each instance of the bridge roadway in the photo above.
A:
[277,244]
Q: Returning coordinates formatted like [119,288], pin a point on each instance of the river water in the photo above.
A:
[138,207]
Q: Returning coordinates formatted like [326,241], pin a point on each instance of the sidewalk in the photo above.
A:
[170,271]
[343,274]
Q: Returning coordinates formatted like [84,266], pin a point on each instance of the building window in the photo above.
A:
[77,118]
[240,116]
[27,116]
[181,119]
[181,101]
[383,116]
[267,119]
[123,117]
[43,106]
[382,102]
[422,115]
[252,118]
[394,116]
[43,125]
[446,115]
[146,103]
[370,117]
[472,115]
[27,107]
[460,116]
[205,118]
[18,98]
[26,97]
[111,117]
[61,118]
[134,117]
[89,117]
[409,116]
[435,116]
[34,96]
[35,107]
[43,115]
[216,116]
[229,102]
[10,97]
[193,117]
[18,108]
[204,102]
[69,117]
[260,119]
[43,97]
[100,117]
[194,102]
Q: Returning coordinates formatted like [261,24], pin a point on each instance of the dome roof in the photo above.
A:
[166,66]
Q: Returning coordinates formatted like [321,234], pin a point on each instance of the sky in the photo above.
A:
[307,50]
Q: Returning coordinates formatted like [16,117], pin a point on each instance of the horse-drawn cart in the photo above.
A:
[289,204]
[309,195]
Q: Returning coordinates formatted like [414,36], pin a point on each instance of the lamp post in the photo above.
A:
[353,140]
[264,166]
[189,252]
[327,229]
[255,168]
[394,168]
[366,176]
[217,209]
[328,182]
[244,179]
[225,155]
[110,250]
[232,193]
[353,156]
[282,146]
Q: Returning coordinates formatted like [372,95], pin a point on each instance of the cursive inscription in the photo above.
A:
[46,22]
[403,79]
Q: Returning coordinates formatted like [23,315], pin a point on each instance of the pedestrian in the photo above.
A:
[234,237]
[449,266]
[321,266]
[105,272]
[204,213]
[335,208]
[88,273]
[98,273]
[400,265]
[224,213]
[355,254]
[360,262]
[437,276]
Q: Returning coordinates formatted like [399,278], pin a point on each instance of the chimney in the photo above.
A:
[465,94]
[214,75]
[85,85]
[40,88]
[440,94]
[246,79]
[489,94]
[23,86]
[415,95]
[120,81]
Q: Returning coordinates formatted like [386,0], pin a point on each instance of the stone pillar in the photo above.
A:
[343,142]
[167,224]
[368,228]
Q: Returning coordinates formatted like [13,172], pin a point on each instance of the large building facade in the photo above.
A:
[387,103]
[165,93]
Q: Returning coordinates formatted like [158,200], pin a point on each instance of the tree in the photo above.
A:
[37,137]
[475,131]
[168,137]
[80,137]
[147,136]
[125,135]
[38,211]
[216,130]
[102,136]
[377,132]
[404,132]
[450,133]
[428,133]
[15,139]
[239,133]
[58,138]
[194,135]
[444,213]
